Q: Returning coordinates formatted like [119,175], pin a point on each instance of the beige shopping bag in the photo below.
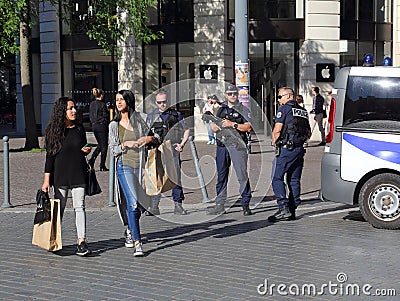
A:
[160,173]
[47,235]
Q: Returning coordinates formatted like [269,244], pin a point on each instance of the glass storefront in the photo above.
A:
[272,65]
[166,64]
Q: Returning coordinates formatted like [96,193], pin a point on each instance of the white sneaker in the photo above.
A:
[138,250]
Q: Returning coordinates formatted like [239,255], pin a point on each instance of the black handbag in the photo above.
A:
[42,207]
[92,186]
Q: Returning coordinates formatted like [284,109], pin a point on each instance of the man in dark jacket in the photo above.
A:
[318,110]
[169,124]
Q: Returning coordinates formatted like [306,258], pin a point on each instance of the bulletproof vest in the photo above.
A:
[169,129]
[298,128]
[235,116]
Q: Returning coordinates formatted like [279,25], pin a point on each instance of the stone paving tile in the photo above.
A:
[225,258]
[196,261]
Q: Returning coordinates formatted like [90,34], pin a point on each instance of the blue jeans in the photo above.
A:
[210,132]
[128,180]
[224,157]
[290,164]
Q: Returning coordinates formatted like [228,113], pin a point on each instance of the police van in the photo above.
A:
[361,163]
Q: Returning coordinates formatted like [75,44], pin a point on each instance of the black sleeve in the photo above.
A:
[49,164]
[92,112]
[104,111]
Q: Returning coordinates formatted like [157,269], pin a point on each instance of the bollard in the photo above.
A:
[198,170]
[111,183]
[248,143]
[6,203]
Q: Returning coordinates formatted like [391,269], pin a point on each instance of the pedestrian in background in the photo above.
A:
[128,136]
[98,114]
[291,130]
[65,167]
[300,100]
[318,110]
[232,149]
[168,124]
[209,107]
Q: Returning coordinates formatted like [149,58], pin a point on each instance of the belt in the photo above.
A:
[294,146]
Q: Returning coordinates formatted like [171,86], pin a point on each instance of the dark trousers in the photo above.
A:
[101,133]
[224,157]
[290,164]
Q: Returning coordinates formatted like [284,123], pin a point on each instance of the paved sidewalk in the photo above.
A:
[227,258]
[230,257]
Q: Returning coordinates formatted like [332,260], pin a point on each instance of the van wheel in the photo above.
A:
[379,201]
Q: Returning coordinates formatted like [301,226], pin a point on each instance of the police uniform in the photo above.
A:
[169,125]
[291,158]
[231,148]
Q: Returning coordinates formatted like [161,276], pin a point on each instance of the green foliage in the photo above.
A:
[9,26]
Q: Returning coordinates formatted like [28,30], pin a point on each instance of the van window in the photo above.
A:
[370,99]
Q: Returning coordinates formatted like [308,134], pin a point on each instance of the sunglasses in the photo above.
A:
[280,96]
[161,102]
[232,93]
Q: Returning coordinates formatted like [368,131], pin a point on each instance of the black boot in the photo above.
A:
[281,214]
[215,210]
[152,210]
[246,210]
[179,209]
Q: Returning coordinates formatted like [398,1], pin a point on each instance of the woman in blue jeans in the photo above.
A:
[128,134]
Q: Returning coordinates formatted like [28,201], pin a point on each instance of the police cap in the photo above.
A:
[231,88]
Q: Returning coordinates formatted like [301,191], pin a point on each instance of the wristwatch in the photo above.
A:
[235,125]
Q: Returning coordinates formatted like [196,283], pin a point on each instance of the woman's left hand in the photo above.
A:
[87,149]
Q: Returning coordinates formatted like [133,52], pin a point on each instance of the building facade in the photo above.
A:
[291,43]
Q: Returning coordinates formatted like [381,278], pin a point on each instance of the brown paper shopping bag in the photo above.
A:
[160,170]
[47,235]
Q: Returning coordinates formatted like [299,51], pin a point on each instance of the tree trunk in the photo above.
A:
[31,135]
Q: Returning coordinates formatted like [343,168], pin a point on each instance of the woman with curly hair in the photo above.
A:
[128,133]
[66,167]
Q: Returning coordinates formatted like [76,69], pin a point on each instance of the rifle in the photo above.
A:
[229,136]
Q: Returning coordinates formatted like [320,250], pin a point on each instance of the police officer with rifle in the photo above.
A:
[231,129]
[291,131]
[168,124]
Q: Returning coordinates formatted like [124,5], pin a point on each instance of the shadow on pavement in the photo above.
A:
[97,247]
[354,216]
[179,235]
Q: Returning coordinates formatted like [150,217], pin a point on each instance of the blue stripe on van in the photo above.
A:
[387,151]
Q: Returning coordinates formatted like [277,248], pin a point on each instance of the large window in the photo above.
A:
[268,9]
[372,99]
[171,12]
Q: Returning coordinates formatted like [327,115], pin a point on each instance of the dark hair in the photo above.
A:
[299,99]
[55,129]
[213,97]
[129,98]
[316,89]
